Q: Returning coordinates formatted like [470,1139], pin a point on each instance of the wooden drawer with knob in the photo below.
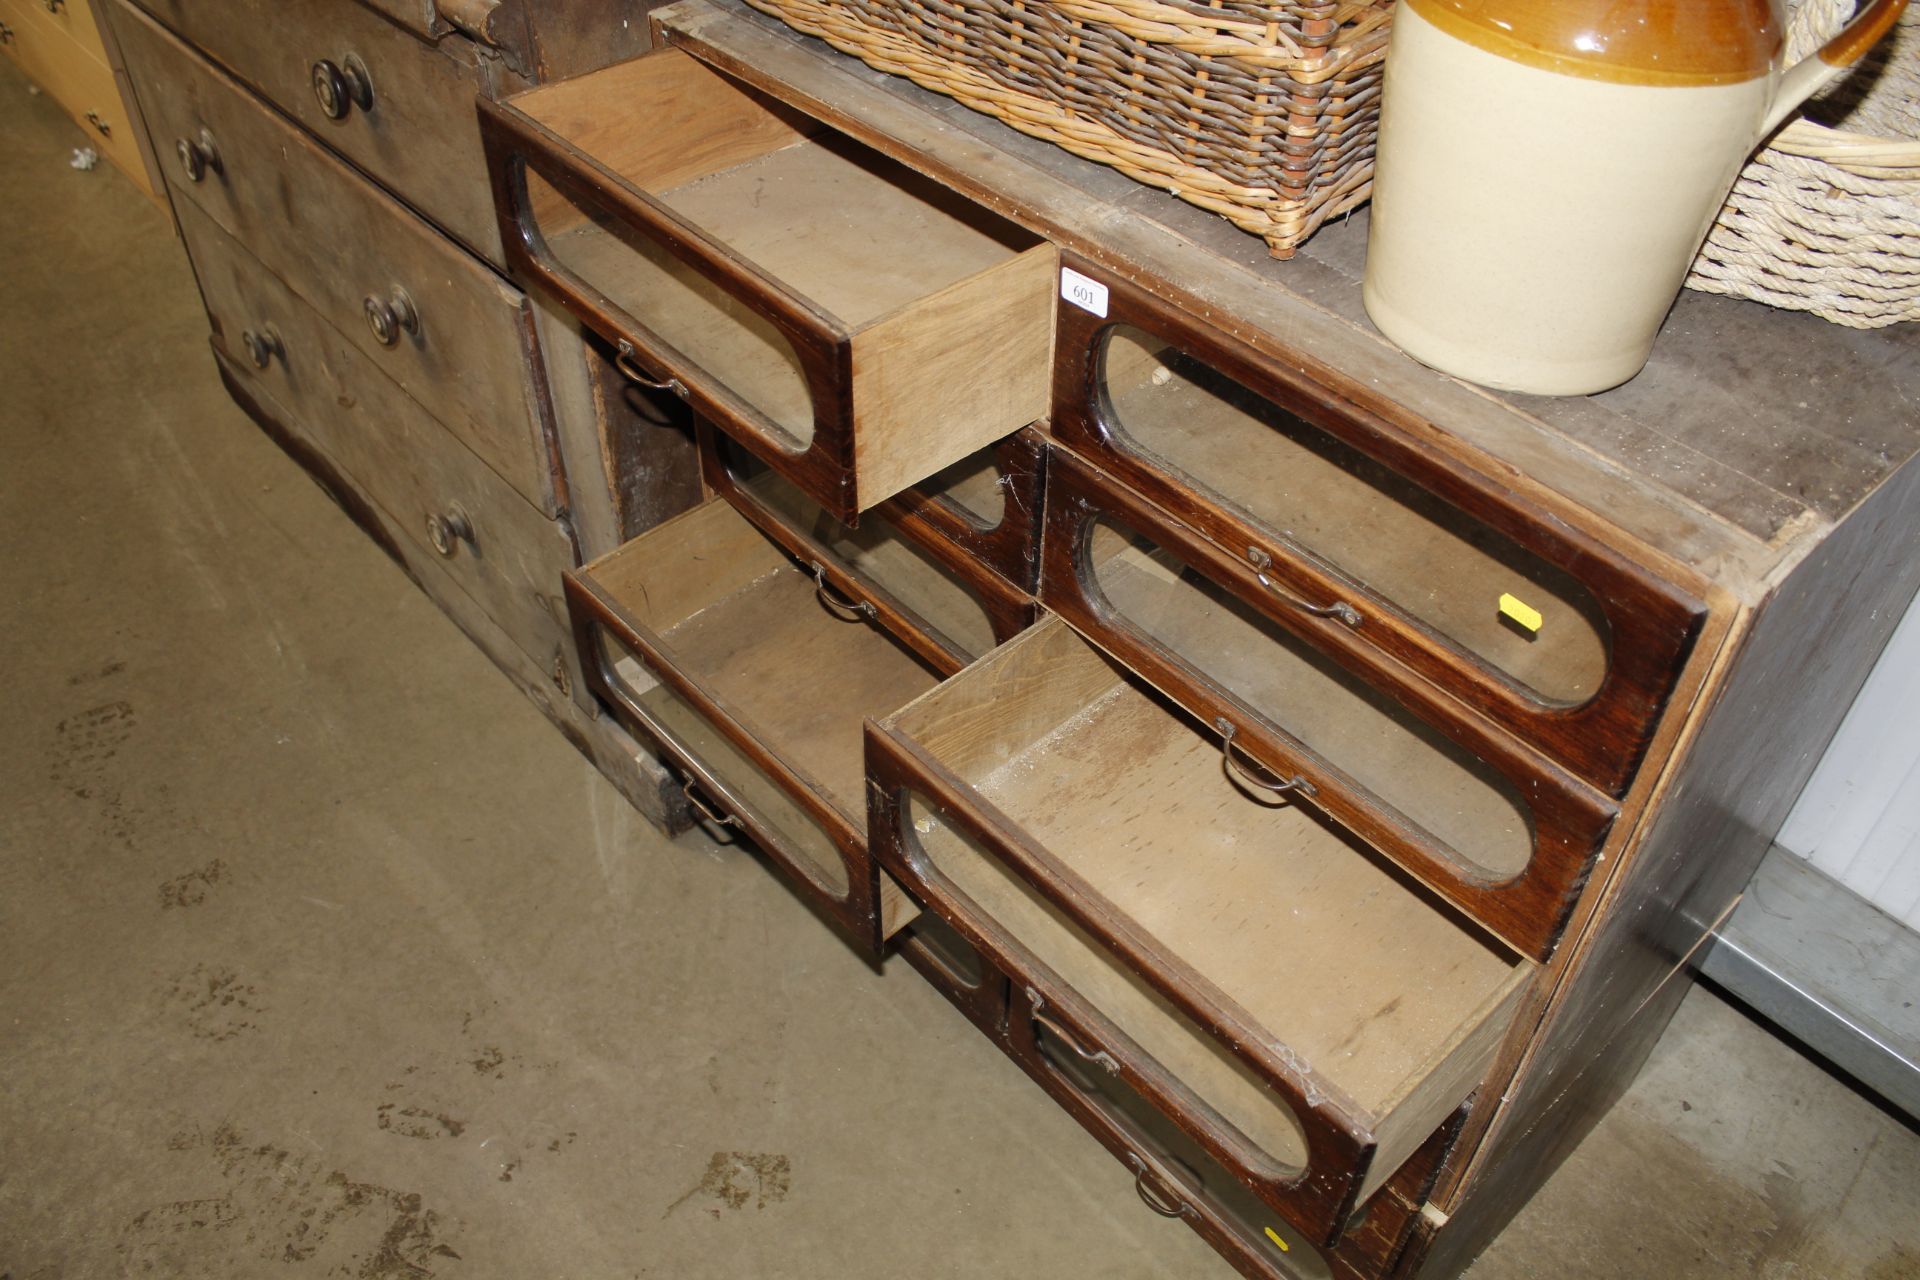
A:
[930,593]
[1496,827]
[753,671]
[1301,1013]
[455,335]
[397,107]
[856,325]
[498,547]
[71,18]
[1406,554]
[73,73]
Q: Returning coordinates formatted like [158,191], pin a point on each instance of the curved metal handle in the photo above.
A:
[1339,609]
[199,156]
[105,129]
[623,361]
[55,6]
[1154,1192]
[836,604]
[263,345]
[341,86]
[1239,773]
[701,807]
[6,34]
[1052,1027]
[391,316]
[447,530]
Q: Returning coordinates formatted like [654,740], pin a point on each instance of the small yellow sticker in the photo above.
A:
[1275,1237]
[1520,611]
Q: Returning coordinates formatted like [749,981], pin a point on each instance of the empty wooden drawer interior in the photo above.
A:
[929,599]
[1498,829]
[1301,1012]
[718,645]
[851,320]
[1439,571]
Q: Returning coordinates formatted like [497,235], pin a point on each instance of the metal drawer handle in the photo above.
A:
[1296,785]
[105,129]
[55,6]
[1102,1059]
[632,372]
[699,805]
[1339,609]
[1155,1194]
[6,34]
[342,86]
[836,604]
[391,316]
[263,345]
[447,530]
[199,156]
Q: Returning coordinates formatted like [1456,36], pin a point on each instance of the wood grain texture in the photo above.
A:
[1229,660]
[1644,624]
[419,139]
[634,771]
[62,53]
[403,459]
[338,241]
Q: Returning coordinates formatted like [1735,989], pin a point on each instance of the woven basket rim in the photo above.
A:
[1838,146]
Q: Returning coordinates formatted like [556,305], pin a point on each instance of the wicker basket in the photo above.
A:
[1826,218]
[1262,112]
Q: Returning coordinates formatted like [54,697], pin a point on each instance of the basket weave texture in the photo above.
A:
[1826,218]
[1264,113]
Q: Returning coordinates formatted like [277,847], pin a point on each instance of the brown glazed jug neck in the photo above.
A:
[1652,42]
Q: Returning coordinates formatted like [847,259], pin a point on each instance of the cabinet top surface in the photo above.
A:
[1750,433]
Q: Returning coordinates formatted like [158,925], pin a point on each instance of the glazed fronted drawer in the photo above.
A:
[439,323]
[754,672]
[946,606]
[1241,969]
[856,325]
[397,107]
[499,548]
[1391,550]
[1499,829]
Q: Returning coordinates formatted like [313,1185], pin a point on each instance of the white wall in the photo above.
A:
[1859,817]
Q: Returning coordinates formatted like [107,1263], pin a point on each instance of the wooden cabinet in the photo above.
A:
[58,45]
[855,325]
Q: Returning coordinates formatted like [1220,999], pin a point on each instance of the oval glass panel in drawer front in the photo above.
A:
[710,328]
[683,729]
[877,551]
[1431,781]
[1221,1081]
[1511,611]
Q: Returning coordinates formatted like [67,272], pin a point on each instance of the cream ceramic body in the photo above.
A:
[1532,228]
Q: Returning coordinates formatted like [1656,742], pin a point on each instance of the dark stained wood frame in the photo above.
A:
[1318,1199]
[1008,611]
[1011,546]
[1570,819]
[858,914]
[514,142]
[1653,623]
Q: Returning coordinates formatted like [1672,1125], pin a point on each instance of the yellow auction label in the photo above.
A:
[1511,606]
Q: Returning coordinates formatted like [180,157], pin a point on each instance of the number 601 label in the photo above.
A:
[1088,295]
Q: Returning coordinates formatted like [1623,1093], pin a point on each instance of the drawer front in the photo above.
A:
[758,689]
[1497,601]
[1497,828]
[416,133]
[456,336]
[859,334]
[73,19]
[506,555]
[944,605]
[72,75]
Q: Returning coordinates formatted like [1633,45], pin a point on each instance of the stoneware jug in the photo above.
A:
[1547,170]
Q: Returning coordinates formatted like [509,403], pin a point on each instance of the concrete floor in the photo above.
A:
[321,954]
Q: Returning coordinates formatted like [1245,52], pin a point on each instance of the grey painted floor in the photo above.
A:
[322,955]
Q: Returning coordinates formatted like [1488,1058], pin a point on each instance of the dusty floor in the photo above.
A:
[322,955]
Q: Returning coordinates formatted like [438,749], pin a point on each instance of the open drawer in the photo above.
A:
[1495,826]
[987,505]
[854,323]
[1398,550]
[937,599]
[1301,1014]
[708,639]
